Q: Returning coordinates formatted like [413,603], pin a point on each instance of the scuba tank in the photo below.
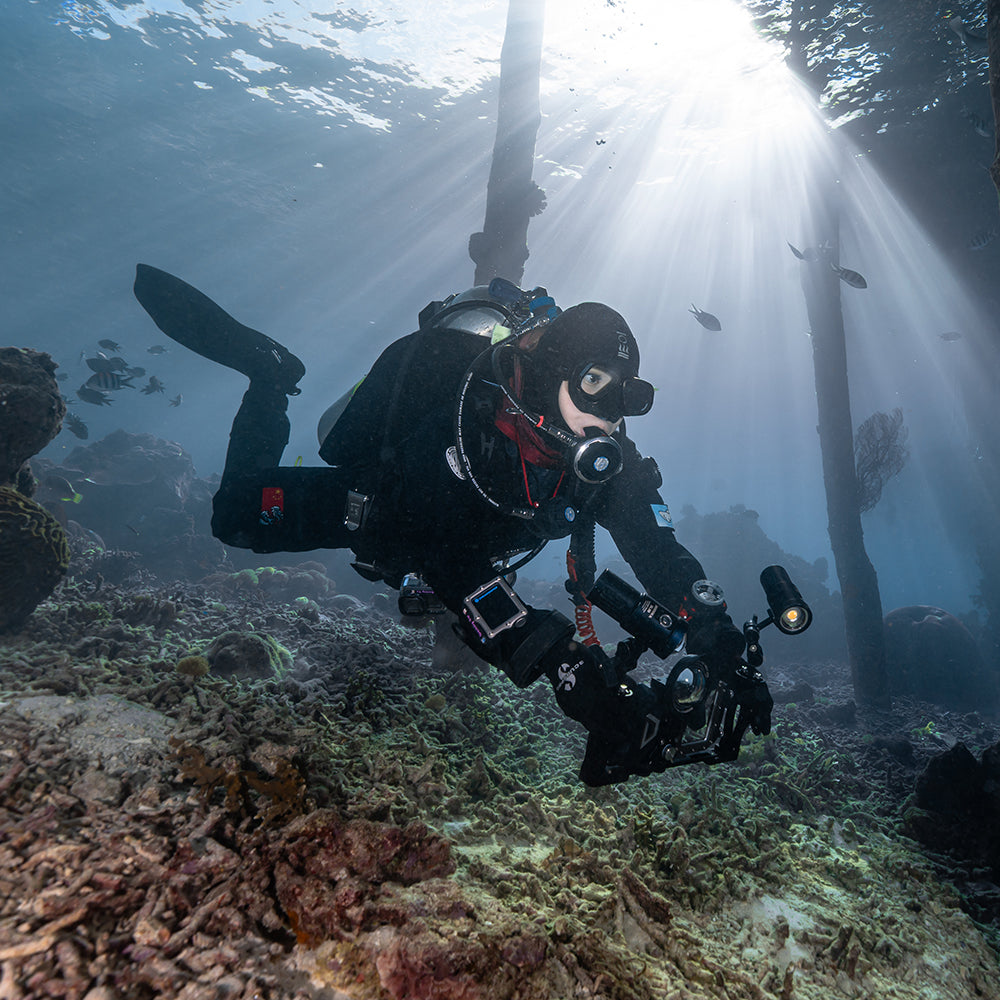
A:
[493,311]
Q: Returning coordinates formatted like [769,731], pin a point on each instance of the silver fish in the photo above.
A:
[981,126]
[707,320]
[90,395]
[102,363]
[848,276]
[808,254]
[76,426]
[971,39]
[108,380]
[982,239]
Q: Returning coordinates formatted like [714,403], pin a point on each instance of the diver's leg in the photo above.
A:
[260,432]
[284,510]
[267,508]
[258,437]
[191,318]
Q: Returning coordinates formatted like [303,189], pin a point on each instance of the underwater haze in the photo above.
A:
[229,775]
[317,170]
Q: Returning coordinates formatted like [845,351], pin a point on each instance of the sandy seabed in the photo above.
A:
[361,820]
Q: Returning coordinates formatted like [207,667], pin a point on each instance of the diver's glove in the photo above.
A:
[753,697]
[725,663]
[720,645]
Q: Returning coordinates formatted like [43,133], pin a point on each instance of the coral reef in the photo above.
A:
[31,408]
[139,493]
[930,654]
[282,583]
[373,826]
[34,552]
[34,555]
[955,811]
[247,655]
[194,665]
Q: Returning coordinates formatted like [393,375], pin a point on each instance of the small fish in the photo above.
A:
[971,40]
[136,372]
[177,400]
[707,320]
[809,254]
[848,276]
[108,380]
[61,377]
[951,336]
[118,365]
[153,385]
[102,363]
[90,395]
[156,349]
[982,239]
[109,345]
[980,125]
[63,488]
[76,426]
[135,531]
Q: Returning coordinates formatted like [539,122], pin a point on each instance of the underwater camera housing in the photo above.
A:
[708,712]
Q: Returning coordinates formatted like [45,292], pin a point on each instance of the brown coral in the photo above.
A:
[34,555]
[31,407]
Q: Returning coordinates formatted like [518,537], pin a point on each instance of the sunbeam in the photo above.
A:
[689,194]
[345,156]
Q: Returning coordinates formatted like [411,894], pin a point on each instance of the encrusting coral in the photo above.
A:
[34,555]
[297,837]
[31,407]
[34,552]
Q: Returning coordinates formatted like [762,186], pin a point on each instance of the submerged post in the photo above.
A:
[857,576]
[993,45]
[512,197]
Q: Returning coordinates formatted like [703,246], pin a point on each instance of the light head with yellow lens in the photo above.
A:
[784,602]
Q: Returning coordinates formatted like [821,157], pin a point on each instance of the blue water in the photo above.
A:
[319,175]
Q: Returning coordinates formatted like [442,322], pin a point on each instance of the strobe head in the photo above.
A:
[784,602]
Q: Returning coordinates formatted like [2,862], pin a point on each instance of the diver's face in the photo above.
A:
[578,420]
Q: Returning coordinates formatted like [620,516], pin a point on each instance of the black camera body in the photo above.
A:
[706,715]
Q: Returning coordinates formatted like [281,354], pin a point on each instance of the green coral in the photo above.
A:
[193,666]
[246,579]
[34,555]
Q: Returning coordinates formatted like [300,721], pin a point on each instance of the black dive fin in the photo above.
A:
[191,318]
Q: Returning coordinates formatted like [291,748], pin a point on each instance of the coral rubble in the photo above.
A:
[365,824]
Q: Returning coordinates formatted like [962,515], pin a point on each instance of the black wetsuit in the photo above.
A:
[392,445]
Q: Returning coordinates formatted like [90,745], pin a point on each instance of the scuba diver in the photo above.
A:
[496,427]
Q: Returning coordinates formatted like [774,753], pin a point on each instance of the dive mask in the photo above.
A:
[609,393]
